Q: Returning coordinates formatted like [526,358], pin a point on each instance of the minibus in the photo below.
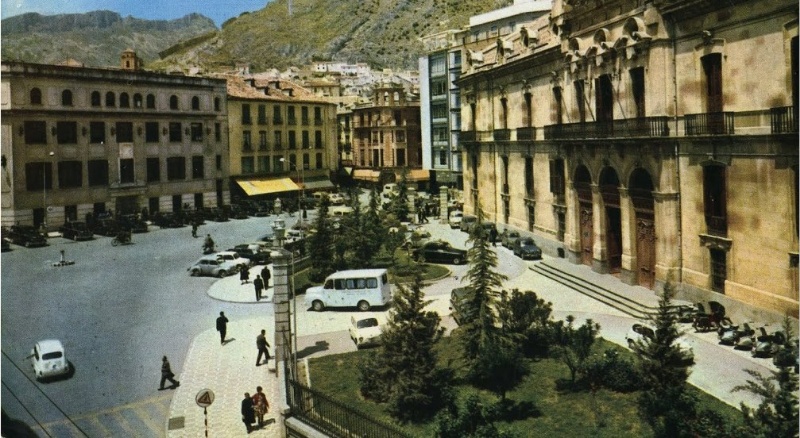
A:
[362,288]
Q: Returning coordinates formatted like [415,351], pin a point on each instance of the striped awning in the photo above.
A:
[260,186]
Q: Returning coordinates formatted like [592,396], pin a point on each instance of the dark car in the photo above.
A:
[133,223]
[5,245]
[167,220]
[439,251]
[526,248]
[255,257]
[457,300]
[508,238]
[105,227]
[26,235]
[76,231]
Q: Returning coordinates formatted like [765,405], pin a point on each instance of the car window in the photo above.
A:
[372,283]
[52,355]
[361,283]
[351,283]
[328,284]
[369,322]
[340,285]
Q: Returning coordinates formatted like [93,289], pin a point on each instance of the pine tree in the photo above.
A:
[410,381]
[399,204]
[321,244]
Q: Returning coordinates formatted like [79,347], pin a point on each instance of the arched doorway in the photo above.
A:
[609,189]
[641,193]
[583,188]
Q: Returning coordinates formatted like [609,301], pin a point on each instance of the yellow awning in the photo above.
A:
[366,174]
[417,175]
[265,186]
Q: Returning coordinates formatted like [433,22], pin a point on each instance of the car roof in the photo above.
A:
[49,345]
[357,273]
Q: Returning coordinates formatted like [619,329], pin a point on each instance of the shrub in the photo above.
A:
[609,370]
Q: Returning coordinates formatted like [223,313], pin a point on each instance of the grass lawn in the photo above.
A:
[563,412]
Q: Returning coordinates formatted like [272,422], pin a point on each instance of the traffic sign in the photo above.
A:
[204,398]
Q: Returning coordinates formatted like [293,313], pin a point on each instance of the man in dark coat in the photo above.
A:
[166,374]
[262,344]
[248,413]
[265,275]
[222,327]
[259,285]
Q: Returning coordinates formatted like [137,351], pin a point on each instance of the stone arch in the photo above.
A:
[640,191]
[609,185]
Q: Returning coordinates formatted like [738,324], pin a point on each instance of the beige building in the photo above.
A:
[79,140]
[282,137]
[655,141]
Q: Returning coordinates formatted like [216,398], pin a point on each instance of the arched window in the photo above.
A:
[66,98]
[173,102]
[110,99]
[124,100]
[36,96]
[151,101]
[137,100]
[195,103]
[95,98]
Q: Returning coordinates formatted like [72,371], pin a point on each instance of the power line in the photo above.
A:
[26,409]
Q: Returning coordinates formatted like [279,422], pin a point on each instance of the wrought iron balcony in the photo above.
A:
[783,120]
[467,136]
[709,123]
[526,134]
[502,135]
[622,128]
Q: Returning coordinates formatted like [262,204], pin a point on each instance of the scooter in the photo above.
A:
[731,334]
[122,238]
[709,321]
[208,249]
[768,344]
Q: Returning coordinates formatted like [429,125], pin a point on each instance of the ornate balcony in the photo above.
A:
[502,135]
[623,128]
[783,120]
[709,123]
[526,134]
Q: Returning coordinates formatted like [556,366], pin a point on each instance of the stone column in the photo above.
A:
[668,244]
[628,270]
[572,234]
[443,213]
[599,244]
[280,299]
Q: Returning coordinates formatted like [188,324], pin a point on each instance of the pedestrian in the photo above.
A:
[260,405]
[194,229]
[248,413]
[166,374]
[222,327]
[259,285]
[493,236]
[262,344]
[265,275]
[244,275]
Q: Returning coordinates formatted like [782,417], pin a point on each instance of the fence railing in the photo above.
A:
[334,417]
[621,128]
[783,120]
[709,123]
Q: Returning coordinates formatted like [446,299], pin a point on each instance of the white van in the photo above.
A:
[362,288]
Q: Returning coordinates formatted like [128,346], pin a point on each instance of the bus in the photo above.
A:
[362,288]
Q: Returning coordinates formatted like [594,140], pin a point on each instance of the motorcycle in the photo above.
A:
[767,345]
[208,249]
[709,321]
[122,238]
[731,334]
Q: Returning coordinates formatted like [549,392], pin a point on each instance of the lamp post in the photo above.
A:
[44,191]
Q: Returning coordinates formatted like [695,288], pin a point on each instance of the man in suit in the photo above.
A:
[262,344]
[222,327]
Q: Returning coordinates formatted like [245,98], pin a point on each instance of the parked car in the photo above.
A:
[525,248]
[455,219]
[26,235]
[439,251]
[256,257]
[48,359]
[467,221]
[508,237]
[76,231]
[457,297]
[489,227]
[365,332]
[167,220]
[211,265]
[233,257]
[105,227]
[133,223]
[641,333]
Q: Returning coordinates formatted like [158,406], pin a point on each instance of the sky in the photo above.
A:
[217,10]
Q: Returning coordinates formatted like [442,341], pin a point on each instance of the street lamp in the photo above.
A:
[44,191]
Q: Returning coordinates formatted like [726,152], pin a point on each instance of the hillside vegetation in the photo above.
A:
[96,38]
[382,33]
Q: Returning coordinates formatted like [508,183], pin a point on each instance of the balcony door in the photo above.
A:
[712,67]
[604,104]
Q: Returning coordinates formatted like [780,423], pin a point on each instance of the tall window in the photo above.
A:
[319,160]
[290,116]
[557,102]
[306,162]
[604,99]
[246,114]
[126,170]
[111,99]
[276,116]
[36,96]
[528,115]
[317,115]
[262,114]
[196,130]
[124,132]
[66,98]
[173,102]
[70,174]
[95,99]
[175,134]
[637,89]
[292,140]
[151,101]
[38,175]
[557,180]
[318,139]
[262,140]
[529,177]
[714,200]
[176,168]
[248,165]
[504,176]
[217,105]
[277,137]
[198,167]
[97,132]
[195,103]
[217,132]
[306,140]
[151,132]
[580,100]
[124,100]
[153,169]
[98,173]
[247,141]
[67,132]
[137,100]
[504,113]
[712,67]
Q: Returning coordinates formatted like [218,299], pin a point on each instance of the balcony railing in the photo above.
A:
[467,136]
[526,134]
[783,120]
[502,135]
[622,128]
[709,123]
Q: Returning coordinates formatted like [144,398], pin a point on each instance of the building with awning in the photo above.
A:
[367,175]
[267,186]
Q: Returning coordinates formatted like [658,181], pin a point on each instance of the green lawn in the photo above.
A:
[563,412]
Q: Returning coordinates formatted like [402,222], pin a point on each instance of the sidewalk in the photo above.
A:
[227,370]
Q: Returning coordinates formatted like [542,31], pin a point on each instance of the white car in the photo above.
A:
[639,332]
[48,359]
[364,332]
[211,265]
[336,199]
[233,257]
[455,218]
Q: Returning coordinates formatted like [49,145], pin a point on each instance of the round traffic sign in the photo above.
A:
[204,398]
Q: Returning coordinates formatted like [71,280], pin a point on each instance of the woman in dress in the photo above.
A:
[260,405]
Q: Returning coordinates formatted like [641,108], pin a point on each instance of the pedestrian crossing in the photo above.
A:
[143,418]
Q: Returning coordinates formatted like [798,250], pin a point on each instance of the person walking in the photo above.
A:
[244,275]
[261,405]
[248,413]
[166,374]
[194,229]
[222,327]
[265,275]
[262,344]
[493,236]
[259,285]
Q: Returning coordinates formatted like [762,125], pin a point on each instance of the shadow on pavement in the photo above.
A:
[308,351]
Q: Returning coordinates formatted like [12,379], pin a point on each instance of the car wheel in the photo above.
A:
[222,273]
[456,260]
[420,258]
[631,344]
[318,306]
[363,306]
[195,272]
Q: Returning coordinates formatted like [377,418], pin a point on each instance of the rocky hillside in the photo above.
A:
[95,38]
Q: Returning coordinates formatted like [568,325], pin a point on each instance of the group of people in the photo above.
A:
[254,408]
[261,283]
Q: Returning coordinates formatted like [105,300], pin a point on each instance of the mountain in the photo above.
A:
[95,38]
[383,33]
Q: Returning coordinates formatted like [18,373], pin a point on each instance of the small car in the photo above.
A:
[48,359]
[455,219]
[467,221]
[421,233]
[26,235]
[336,199]
[235,258]
[256,257]
[508,237]
[457,297]
[641,332]
[525,248]
[211,265]
[365,332]
[439,251]
[76,231]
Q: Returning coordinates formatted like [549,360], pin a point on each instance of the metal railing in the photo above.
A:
[783,120]
[502,135]
[526,134]
[622,128]
[720,123]
[334,417]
